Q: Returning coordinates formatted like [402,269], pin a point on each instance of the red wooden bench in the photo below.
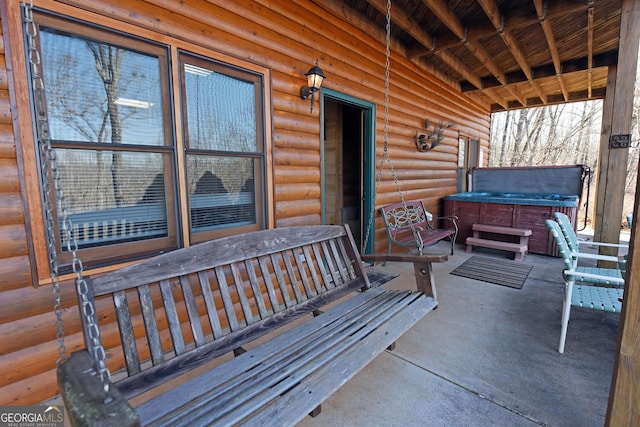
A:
[409,224]
[201,304]
[519,248]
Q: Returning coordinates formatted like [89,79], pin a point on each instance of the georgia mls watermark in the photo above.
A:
[31,416]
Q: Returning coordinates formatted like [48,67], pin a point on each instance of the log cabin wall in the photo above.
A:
[285,36]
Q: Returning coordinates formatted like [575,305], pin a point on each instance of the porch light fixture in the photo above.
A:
[315,76]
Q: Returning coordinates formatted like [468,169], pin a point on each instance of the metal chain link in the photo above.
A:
[50,175]
[385,156]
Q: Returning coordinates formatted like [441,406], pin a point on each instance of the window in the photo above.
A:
[111,121]
[468,158]
[223,145]
[462,164]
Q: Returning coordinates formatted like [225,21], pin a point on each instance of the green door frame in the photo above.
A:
[369,153]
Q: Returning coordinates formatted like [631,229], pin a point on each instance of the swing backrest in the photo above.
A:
[401,217]
[180,309]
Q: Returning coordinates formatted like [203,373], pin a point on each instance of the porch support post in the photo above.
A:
[623,409]
[616,129]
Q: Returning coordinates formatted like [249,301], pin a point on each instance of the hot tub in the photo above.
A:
[570,200]
[509,208]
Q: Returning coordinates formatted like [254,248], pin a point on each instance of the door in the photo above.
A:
[347,167]
[468,158]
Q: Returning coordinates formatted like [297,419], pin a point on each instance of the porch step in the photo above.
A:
[520,249]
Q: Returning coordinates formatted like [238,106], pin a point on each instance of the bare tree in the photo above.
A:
[109,66]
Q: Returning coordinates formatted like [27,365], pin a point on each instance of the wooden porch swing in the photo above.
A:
[194,307]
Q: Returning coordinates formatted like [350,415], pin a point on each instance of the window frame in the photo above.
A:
[38,255]
[105,254]
[258,157]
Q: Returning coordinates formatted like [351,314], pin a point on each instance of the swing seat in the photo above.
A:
[204,304]
[411,227]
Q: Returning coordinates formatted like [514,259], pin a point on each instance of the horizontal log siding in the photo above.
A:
[286,36]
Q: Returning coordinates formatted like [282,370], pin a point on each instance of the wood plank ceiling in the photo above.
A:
[505,53]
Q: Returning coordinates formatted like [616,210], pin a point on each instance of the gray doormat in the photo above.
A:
[378,277]
[493,270]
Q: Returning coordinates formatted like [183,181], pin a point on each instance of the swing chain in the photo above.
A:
[51,175]
[385,156]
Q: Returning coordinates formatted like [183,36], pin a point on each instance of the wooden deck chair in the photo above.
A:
[409,224]
[595,297]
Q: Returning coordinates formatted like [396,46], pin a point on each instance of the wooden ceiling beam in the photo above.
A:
[448,18]
[461,68]
[556,9]
[516,94]
[583,95]
[408,24]
[541,10]
[590,47]
[362,23]
[548,70]
[496,98]
[404,21]
[492,11]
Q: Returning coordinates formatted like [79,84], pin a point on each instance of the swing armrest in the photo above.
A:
[404,258]
[452,218]
[422,268]
[85,399]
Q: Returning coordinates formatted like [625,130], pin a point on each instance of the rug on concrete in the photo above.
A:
[493,270]
[378,277]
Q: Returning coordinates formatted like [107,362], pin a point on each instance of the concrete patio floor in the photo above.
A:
[486,357]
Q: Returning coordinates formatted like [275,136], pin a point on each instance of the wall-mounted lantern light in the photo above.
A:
[315,76]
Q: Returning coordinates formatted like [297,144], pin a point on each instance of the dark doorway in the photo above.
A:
[343,166]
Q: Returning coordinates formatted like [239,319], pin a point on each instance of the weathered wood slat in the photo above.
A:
[237,277]
[340,265]
[331,279]
[345,255]
[266,276]
[311,266]
[272,351]
[172,317]
[126,332]
[198,257]
[307,395]
[212,311]
[150,324]
[226,299]
[300,258]
[192,311]
[132,386]
[245,305]
[287,256]
[282,284]
[283,364]
[317,251]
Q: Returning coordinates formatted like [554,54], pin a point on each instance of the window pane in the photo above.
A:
[99,92]
[221,111]
[221,192]
[112,196]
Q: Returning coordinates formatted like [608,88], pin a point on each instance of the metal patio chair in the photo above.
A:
[599,295]
[574,245]
[409,224]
